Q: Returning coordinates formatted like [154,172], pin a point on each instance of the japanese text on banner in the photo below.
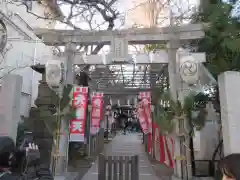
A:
[96,113]
[77,125]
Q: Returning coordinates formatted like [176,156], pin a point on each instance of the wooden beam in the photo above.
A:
[133,35]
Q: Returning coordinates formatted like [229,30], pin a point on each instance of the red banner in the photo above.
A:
[146,106]
[146,101]
[80,103]
[142,119]
[96,113]
[144,116]
[163,147]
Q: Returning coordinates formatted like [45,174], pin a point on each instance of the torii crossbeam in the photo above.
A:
[133,35]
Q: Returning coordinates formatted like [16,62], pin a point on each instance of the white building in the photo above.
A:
[148,13]
[23,48]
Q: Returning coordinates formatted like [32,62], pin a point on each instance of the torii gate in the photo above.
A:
[119,41]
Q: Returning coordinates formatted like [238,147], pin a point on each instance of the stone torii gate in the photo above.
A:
[119,41]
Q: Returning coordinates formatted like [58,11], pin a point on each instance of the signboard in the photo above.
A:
[119,49]
[77,125]
[96,113]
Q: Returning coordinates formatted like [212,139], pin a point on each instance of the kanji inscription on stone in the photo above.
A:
[119,48]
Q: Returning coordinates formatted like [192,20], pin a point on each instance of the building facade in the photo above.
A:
[22,48]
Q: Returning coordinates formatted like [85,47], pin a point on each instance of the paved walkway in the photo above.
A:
[126,145]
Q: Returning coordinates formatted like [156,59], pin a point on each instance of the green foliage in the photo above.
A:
[154,47]
[66,98]
[164,120]
[198,121]
[64,110]
[193,103]
[70,114]
[222,40]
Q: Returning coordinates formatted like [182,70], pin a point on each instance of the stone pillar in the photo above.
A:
[62,156]
[174,81]
[10,105]
[229,88]
[70,53]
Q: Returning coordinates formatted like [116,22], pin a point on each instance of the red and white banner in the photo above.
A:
[142,119]
[163,147]
[96,113]
[146,104]
[80,103]
[142,114]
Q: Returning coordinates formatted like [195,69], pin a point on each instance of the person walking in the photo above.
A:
[125,125]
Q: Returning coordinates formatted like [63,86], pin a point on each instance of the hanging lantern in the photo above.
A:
[55,73]
[189,69]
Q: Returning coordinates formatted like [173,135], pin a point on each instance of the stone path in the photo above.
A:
[126,145]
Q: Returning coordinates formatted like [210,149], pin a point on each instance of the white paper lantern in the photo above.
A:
[189,69]
[55,73]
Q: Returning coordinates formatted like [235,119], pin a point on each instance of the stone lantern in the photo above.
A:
[41,121]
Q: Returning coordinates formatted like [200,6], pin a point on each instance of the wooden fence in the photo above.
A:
[118,167]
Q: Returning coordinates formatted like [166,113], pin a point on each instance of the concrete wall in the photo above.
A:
[10,103]
[229,88]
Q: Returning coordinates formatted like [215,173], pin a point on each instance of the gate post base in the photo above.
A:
[175,178]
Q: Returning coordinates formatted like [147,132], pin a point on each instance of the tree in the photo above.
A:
[222,40]
[82,14]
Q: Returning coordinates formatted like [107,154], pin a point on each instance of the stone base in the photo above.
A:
[194,178]
[175,178]
[68,176]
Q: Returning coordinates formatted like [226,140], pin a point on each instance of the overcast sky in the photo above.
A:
[123,6]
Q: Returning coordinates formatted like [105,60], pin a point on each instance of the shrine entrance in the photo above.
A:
[124,77]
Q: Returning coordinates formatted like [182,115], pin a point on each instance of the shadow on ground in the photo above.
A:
[162,171]
[80,164]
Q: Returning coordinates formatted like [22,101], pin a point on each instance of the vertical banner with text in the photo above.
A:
[141,114]
[146,105]
[96,113]
[146,101]
[80,103]
[142,120]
